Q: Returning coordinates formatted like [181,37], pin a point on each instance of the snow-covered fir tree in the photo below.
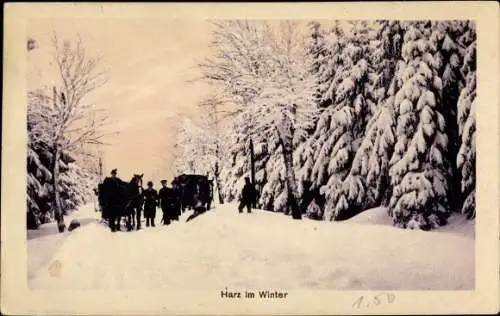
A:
[327,65]
[38,194]
[342,123]
[367,181]
[237,161]
[75,184]
[419,170]
[447,37]
[274,195]
[466,159]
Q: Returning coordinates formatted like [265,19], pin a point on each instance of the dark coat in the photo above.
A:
[177,202]
[111,192]
[166,197]
[150,202]
[248,194]
[111,197]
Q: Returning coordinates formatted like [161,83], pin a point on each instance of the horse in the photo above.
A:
[131,202]
[121,200]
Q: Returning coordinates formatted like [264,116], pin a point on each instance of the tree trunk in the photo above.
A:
[252,171]
[58,211]
[100,170]
[291,185]
[217,183]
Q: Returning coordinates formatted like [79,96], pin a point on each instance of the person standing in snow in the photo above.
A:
[150,203]
[176,200]
[165,197]
[247,196]
[111,199]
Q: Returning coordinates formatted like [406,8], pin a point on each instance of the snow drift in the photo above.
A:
[222,248]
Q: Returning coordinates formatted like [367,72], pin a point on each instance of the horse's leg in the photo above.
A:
[129,220]
[118,220]
[112,216]
[138,218]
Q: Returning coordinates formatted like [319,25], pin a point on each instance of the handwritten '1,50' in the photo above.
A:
[376,300]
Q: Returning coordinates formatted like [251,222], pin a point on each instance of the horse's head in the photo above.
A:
[139,182]
[137,178]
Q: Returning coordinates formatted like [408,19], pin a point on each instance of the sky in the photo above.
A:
[150,65]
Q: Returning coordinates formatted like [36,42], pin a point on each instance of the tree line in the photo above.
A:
[343,117]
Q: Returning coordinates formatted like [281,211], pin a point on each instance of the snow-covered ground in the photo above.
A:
[222,248]
[457,224]
[45,241]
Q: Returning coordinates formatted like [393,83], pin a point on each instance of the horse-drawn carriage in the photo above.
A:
[119,199]
[194,190]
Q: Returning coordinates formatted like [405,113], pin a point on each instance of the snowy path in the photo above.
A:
[224,249]
[45,241]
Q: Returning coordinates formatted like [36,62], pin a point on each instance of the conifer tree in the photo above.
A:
[466,159]
[367,183]
[418,167]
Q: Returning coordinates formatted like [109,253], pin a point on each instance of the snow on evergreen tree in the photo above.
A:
[317,50]
[342,123]
[328,78]
[237,163]
[367,181]
[274,192]
[418,168]
[69,185]
[39,121]
[38,199]
[448,38]
[76,185]
[329,74]
[466,159]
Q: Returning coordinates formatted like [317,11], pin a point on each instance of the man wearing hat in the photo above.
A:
[110,194]
[165,195]
[150,203]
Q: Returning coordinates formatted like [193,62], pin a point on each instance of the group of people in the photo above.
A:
[118,199]
[166,199]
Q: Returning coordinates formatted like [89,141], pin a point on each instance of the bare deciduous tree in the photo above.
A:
[63,121]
